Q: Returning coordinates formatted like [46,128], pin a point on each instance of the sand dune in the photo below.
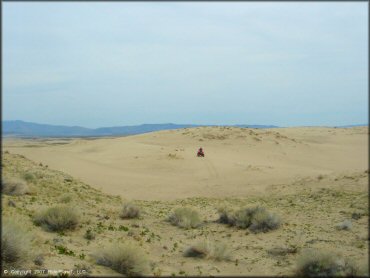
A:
[313,179]
[163,165]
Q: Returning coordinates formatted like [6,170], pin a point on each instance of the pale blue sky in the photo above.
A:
[123,63]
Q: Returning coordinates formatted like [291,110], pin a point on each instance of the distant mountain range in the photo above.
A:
[27,129]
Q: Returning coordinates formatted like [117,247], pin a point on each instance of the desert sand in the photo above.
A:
[312,178]
[163,165]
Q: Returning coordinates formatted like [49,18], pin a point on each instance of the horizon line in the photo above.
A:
[171,123]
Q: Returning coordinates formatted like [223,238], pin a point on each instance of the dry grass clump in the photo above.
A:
[65,198]
[15,244]
[14,186]
[58,218]
[130,210]
[185,218]
[257,219]
[209,250]
[126,259]
[315,263]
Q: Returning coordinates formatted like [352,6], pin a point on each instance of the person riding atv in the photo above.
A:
[200,153]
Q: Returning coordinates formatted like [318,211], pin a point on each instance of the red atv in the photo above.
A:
[200,153]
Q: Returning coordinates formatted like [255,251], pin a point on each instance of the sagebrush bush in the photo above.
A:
[15,244]
[243,217]
[257,219]
[126,259]
[263,221]
[14,186]
[209,250]
[315,263]
[130,210]
[185,218]
[58,218]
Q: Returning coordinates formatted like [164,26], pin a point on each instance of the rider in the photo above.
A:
[200,151]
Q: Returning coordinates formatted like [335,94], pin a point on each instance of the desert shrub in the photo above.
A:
[14,186]
[129,210]
[209,250]
[356,215]
[224,216]
[243,217]
[15,244]
[315,263]
[58,218]
[89,235]
[345,225]
[65,198]
[29,177]
[185,218]
[263,221]
[123,258]
[257,219]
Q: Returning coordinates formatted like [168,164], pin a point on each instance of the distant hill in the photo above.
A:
[344,126]
[28,129]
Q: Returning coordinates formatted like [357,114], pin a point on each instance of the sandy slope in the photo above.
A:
[163,166]
[309,210]
[312,178]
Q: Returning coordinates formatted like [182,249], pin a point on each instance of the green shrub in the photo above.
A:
[315,263]
[58,218]
[129,210]
[185,218]
[15,244]
[257,219]
[29,177]
[123,258]
[14,186]
[209,250]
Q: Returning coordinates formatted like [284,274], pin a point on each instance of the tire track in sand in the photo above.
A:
[211,169]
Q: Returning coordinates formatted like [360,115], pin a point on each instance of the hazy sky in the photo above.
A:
[116,63]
